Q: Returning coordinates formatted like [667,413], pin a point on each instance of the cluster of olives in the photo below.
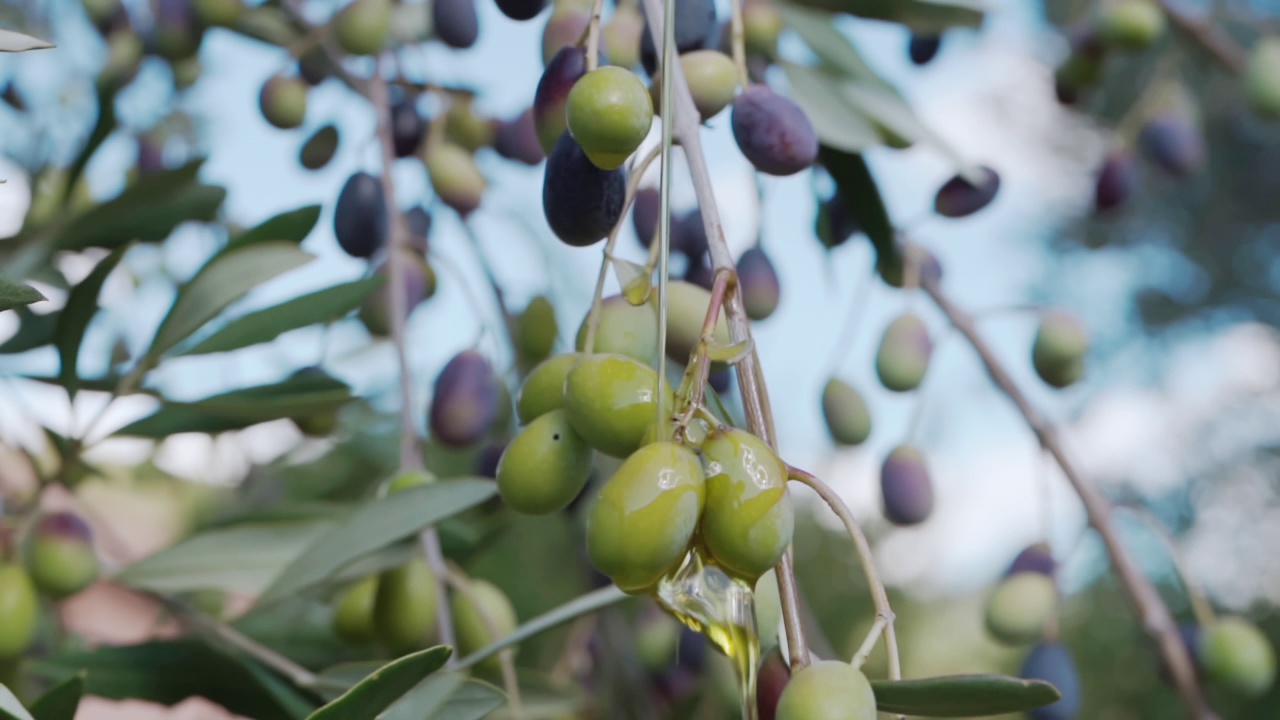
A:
[58,561]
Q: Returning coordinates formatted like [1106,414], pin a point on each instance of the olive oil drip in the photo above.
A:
[721,608]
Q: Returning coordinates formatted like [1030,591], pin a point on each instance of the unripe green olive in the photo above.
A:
[761,26]
[361,28]
[407,480]
[845,412]
[609,114]
[611,401]
[687,306]
[903,356]
[1020,608]
[466,128]
[59,555]
[827,690]
[283,101]
[624,329]
[543,388]
[19,610]
[713,82]
[644,517]
[404,609]
[621,36]
[469,620]
[215,13]
[748,521]
[1262,78]
[536,329]
[456,178]
[768,611]
[1130,24]
[1059,349]
[545,467]
[353,616]
[1237,657]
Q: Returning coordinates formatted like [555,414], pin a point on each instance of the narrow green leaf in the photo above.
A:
[74,318]
[15,294]
[589,603]
[818,30]
[34,331]
[472,701]
[384,686]
[856,185]
[376,525]
[239,559]
[267,324]
[61,701]
[962,695]
[10,708]
[292,226]
[225,279]
[923,16]
[285,693]
[14,42]
[838,123]
[426,700]
[148,210]
[101,130]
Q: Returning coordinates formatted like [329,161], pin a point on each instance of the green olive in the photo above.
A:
[353,616]
[903,356]
[761,26]
[827,690]
[19,611]
[845,412]
[465,127]
[768,611]
[1130,24]
[1020,608]
[748,521]
[543,388]
[643,519]
[611,402]
[1262,78]
[687,306]
[545,466]
[1059,349]
[536,329]
[456,178]
[1237,657]
[609,113]
[283,101]
[217,13]
[469,620]
[59,555]
[713,82]
[625,329]
[404,609]
[362,27]
[621,36]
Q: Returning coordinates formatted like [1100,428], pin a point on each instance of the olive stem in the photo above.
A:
[397,246]
[1220,46]
[739,45]
[593,35]
[633,184]
[668,46]
[869,642]
[1200,606]
[878,594]
[686,130]
[294,9]
[462,584]
[1155,615]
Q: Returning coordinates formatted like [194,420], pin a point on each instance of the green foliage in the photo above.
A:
[74,318]
[380,689]
[10,707]
[962,695]
[241,408]
[61,701]
[15,294]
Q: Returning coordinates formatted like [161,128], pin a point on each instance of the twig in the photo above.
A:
[1220,46]
[296,674]
[754,394]
[462,584]
[739,43]
[1155,616]
[884,613]
[593,35]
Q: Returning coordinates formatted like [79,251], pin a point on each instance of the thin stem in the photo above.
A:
[296,674]
[739,45]
[664,204]
[1155,615]
[869,642]
[1212,39]
[397,304]
[878,594]
[593,35]
[1200,607]
[685,130]
[462,584]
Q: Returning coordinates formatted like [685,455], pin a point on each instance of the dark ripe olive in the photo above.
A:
[609,113]
[419,284]
[696,28]
[827,690]
[721,380]
[1173,143]
[623,329]
[700,273]
[563,29]
[644,517]
[758,282]
[748,520]
[1052,663]
[621,36]
[549,100]
[455,22]
[543,388]
[150,155]
[903,356]
[353,616]
[517,139]
[1021,607]
[892,267]
[581,202]
[1129,24]
[320,148]
[1059,349]
[521,9]
[689,235]
[773,132]
[834,223]
[845,412]
[644,214]
[19,611]
[456,178]
[407,126]
[360,217]
[283,102]
[612,401]
[905,487]
[362,27]
[545,466]
[481,618]
[923,48]
[314,66]
[404,608]
[466,400]
[536,329]
[1116,182]
[1262,78]
[176,32]
[1237,657]
[59,555]
[1037,558]
[959,198]
[418,223]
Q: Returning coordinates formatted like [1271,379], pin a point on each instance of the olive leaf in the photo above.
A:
[74,318]
[10,708]
[447,696]
[373,694]
[857,187]
[16,294]
[61,701]
[962,695]
[923,16]
[293,226]
[12,41]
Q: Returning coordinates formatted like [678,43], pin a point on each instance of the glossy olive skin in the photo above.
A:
[361,28]
[1059,349]
[59,555]
[549,100]
[903,356]
[1130,24]
[536,329]
[283,102]
[644,517]
[1262,78]
[623,329]
[469,620]
[353,616]
[1237,658]
[19,611]
[404,610]
[320,148]
[360,216]
[609,113]
[543,388]
[748,522]
[1052,663]
[772,132]
[611,402]
[456,178]
[906,489]
[581,201]
[827,690]
[545,467]
[712,78]
[845,412]
[466,400]
[1020,608]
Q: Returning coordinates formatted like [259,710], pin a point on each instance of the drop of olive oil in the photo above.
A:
[721,608]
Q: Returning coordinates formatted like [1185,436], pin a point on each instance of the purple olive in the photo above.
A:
[905,486]
[773,132]
[517,139]
[465,402]
[1173,143]
[960,198]
[758,282]
[1116,181]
